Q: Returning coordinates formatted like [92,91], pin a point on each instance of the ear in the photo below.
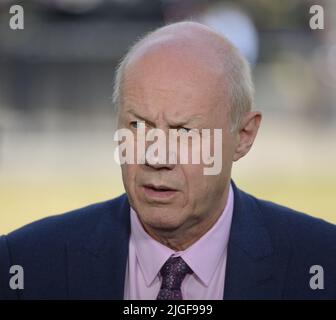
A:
[247,132]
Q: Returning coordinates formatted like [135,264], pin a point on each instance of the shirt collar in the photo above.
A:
[212,245]
[150,253]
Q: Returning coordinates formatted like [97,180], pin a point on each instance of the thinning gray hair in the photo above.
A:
[239,85]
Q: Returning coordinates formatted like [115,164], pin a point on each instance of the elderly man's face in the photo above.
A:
[168,93]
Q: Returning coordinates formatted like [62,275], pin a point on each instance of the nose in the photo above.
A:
[158,162]
[158,154]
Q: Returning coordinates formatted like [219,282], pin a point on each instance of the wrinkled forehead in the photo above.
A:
[184,55]
[173,75]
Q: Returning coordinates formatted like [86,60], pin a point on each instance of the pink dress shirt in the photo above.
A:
[206,257]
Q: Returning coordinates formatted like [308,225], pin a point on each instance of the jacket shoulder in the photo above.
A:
[67,225]
[310,240]
[311,245]
[296,224]
[41,247]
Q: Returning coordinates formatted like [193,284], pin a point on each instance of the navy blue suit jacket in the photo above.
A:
[83,254]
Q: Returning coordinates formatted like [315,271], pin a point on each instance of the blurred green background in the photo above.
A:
[57,122]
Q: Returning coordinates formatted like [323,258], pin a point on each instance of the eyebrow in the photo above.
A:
[131,111]
[175,124]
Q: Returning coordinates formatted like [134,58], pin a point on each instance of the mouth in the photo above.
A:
[159,191]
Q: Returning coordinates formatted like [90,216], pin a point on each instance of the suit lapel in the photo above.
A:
[96,267]
[255,269]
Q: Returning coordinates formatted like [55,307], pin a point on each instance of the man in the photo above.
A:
[178,233]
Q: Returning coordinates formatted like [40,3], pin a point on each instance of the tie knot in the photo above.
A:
[173,272]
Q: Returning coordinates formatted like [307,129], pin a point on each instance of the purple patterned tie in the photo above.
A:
[173,272]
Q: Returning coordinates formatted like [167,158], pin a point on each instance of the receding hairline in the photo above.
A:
[189,37]
[195,35]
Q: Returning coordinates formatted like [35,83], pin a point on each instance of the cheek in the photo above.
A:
[202,189]
[196,183]
[228,148]
[128,172]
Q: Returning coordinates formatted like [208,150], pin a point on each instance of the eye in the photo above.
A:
[184,129]
[136,124]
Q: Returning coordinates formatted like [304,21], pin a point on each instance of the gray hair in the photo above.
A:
[240,88]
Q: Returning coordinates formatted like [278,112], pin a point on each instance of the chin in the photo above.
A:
[157,219]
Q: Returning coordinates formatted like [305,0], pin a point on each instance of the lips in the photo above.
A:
[159,191]
[159,187]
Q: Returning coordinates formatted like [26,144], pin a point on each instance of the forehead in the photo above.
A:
[176,83]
